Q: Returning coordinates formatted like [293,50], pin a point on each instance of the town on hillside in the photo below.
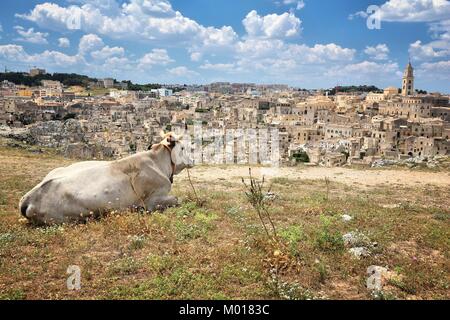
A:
[106,118]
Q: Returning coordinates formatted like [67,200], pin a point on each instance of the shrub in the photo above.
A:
[327,239]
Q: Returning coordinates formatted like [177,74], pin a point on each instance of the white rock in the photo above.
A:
[355,239]
[359,252]
[346,218]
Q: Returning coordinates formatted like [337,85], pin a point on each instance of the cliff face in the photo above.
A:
[87,151]
[51,134]
[57,134]
[69,137]
[18,134]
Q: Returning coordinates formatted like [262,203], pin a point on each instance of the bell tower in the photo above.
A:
[408,81]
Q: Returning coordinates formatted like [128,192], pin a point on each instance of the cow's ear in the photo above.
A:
[165,142]
[162,134]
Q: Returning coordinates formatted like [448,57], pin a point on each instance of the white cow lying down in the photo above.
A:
[87,189]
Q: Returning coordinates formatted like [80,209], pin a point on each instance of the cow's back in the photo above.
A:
[73,168]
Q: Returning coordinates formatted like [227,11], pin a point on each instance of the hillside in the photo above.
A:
[72,79]
[220,251]
[67,79]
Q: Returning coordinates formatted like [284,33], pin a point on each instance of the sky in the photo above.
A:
[302,43]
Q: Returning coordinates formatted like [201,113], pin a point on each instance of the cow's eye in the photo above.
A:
[182,148]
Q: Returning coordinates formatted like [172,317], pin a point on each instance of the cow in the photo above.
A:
[89,189]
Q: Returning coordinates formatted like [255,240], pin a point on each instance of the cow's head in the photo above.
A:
[180,155]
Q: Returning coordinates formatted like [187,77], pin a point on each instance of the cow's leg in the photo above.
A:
[166,202]
[161,202]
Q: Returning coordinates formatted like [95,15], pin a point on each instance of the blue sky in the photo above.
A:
[309,43]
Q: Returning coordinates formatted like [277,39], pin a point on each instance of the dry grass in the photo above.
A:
[219,250]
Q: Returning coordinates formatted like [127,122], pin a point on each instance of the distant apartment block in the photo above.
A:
[108,83]
[36,71]
[163,92]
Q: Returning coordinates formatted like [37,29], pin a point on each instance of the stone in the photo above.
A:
[270,196]
[346,218]
[356,239]
[360,252]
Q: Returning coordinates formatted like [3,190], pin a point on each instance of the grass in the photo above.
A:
[219,250]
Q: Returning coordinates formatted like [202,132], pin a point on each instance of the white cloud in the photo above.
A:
[364,72]
[155,57]
[415,10]
[218,37]
[12,53]
[93,58]
[438,48]
[272,25]
[379,52]
[222,67]
[410,11]
[196,56]
[273,60]
[55,58]
[102,62]
[90,42]
[140,20]
[63,43]
[303,54]
[441,29]
[299,4]
[436,13]
[118,64]
[259,47]
[436,66]
[108,52]
[105,6]
[182,71]
[435,70]
[331,51]
[31,36]
[360,14]
[429,51]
